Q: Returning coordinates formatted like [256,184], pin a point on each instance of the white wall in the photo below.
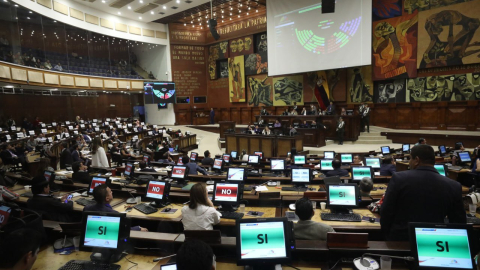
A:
[159,117]
[154,58]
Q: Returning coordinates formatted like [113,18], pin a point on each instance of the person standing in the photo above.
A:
[331,109]
[340,130]
[366,118]
[360,112]
[212,116]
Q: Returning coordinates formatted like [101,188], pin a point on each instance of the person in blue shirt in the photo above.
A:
[337,171]
[212,116]
[192,167]
[103,195]
[388,167]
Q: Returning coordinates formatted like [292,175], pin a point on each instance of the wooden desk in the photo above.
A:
[271,146]
[185,143]
[268,212]
[159,216]
[338,225]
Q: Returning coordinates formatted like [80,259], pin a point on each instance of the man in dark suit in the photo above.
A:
[65,156]
[331,109]
[388,167]
[80,173]
[340,130]
[76,154]
[420,195]
[337,171]
[51,208]
[263,111]
[8,156]
[207,160]
[103,195]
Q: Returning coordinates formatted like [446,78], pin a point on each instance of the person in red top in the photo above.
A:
[36,122]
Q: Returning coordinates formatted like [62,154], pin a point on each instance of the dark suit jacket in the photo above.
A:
[7,157]
[76,156]
[65,158]
[81,177]
[207,161]
[420,195]
[388,169]
[337,172]
[105,208]
[51,208]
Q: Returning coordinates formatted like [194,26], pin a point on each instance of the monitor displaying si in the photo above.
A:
[226,193]
[193,156]
[326,164]
[253,159]
[442,149]
[158,191]
[236,174]
[226,158]
[442,246]
[346,158]
[441,169]
[358,173]
[277,164]
[264,241]
[406,148]
[96,181]
[299,160]
[104,231]
[179,172]
[464,157]
[218,164]
[302,175]
[233,154]
[259,154]
[129,170]
[385,150]
[373,162]
[329,154]
[342,195]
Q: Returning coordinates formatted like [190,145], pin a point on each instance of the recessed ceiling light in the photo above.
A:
[119,13]
[28,18]
[178,1]
[29,12]
[184,24]
[103,1]
[129,7]
[164,7]
[140,18]
[151,12]
[256,10]
[141,1]
[248,13]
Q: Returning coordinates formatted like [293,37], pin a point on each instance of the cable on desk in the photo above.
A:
[134,263]
[335,264]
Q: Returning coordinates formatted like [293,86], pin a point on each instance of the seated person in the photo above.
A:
[80,173]
[244,156]
[200,214]
[357,160]
[51,208]
[193,168]
[124,152]
[103,195]
[421,141]
[292,131]
[306,228]
[31,143]
[167,159]
[77,156]
[65,156]
[366,185]
[19,249]
[8,156]
[257,130]
[305,125]
[195,255]
[250,130]
[286,112]
[337,171]
[207,160]
[143,167]
[277,124]
[266,131]
[388,167]
[114,150]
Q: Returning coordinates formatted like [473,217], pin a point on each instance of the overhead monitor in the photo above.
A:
[442,149]
[258,153]
[358,173]
[385,150]
[179,172]
[226,158]
[159,92]
[406,148]
[302,175]
[218,164]
[193,156]
[329,154]
[346,158]
[464,157]
[104,231]
[302,39]
[372,162]
[342,195]
[96,181]
[158,191]
[441,169]
[277,164]
[442,246]
[233,154]
[326,164]
[263,241]
[299,160]
[253,159]
[236,174]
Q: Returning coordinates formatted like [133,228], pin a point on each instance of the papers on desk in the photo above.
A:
[75,194]
[377,173]
[113,179]
[261,188]
[62,172]
[210,188]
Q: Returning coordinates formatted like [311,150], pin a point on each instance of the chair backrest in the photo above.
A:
[320,195]
[207,236]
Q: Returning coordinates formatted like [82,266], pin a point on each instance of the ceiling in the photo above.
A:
[175,11]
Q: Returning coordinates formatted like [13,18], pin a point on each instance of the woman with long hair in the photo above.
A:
[199,214]
[99,158]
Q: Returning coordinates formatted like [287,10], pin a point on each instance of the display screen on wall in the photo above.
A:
[202,99]
[159,92]
[162,106]
[183,100]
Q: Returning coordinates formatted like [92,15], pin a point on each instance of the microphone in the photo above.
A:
[161,258]
[407,258]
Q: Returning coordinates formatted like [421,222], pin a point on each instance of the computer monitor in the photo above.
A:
[441,169]
[218,164]
[372,162]
[442,246]
[236,174]
[442,149]
[358,173]
[4,215]
[329,154]
[193,156]
[342,197]
[67,122]
[405,148]
[264,242]
[49,176]
[170,149]
[346,158]
[464,157]
[129,125]
[129,170]
[107,233]
[96,181]
[385,150]
[179,173]
[299,160]
[277,164]
[19,135]
[180,161]
[176,147]
[146,159]
[301,177]
[150,133]
[158,191]
[226,158]
[259,154]
[326,164]
[227,195]
[253,160]
[171,266]
[234,155]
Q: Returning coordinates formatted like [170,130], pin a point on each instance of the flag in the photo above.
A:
[321,91]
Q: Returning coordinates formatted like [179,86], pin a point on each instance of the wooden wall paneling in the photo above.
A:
[243,145]
[182,118]
[245,116]
[283,146]
[254,111]
[456,117]
[267,146]
[254,145]
[428,117]
[380,115]
[224,114]
[231,144]
[299,143]
[235,115]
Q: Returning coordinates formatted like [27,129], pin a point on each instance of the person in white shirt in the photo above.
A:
[266,131]
[99,158]
[199,214]
[58,67]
